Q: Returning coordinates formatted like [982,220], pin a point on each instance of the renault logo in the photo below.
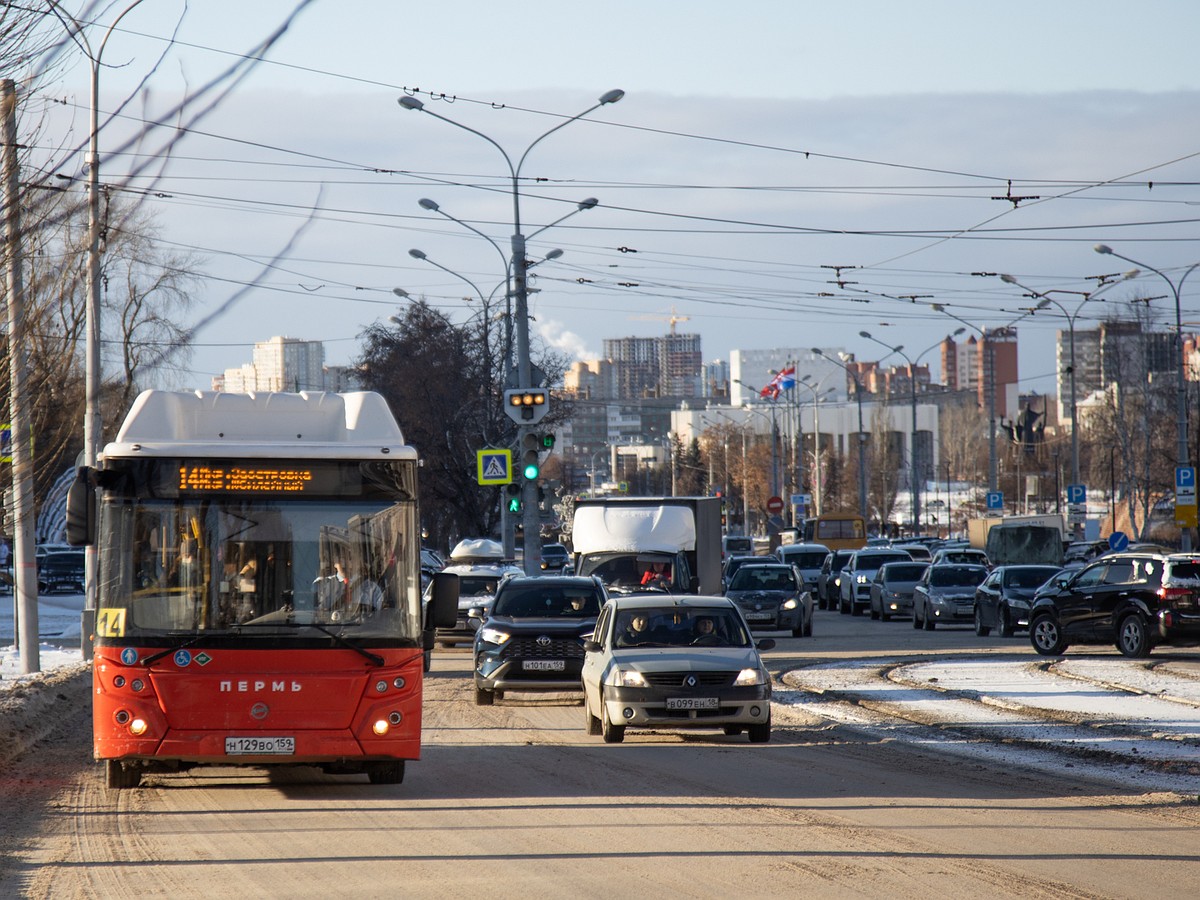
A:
[543,640]
[690,681]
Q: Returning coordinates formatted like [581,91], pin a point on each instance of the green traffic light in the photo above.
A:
[514,504]
[530,471]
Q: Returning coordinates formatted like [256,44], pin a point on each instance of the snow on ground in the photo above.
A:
[59,634]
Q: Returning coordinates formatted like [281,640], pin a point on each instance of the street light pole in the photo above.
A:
[862,436]
[1045,300]
[531,522]
[916,476]
[92,424]
[1181,386]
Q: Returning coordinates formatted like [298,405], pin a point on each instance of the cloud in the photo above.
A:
[560,338]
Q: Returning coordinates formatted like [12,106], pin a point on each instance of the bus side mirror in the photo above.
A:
[443,601]
[81,508]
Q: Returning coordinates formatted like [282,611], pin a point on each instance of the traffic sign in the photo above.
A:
[801,499]
[1185,486]
[493,466]
[1118,541]
[775,505]
[995,500]
[1077,493]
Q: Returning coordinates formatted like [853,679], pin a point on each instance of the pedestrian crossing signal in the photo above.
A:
[514,497]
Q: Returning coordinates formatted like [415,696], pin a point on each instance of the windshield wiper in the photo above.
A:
[377,660]
[150,660]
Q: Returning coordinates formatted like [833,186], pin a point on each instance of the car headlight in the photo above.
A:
[861,579]
[750,677]
[628,678]
[493,635]
[789,603]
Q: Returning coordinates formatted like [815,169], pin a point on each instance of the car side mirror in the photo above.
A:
[765,644]
[475,612]
[591,646]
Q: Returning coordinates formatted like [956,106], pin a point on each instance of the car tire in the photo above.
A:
[732,730]
[118,776]
[885,616]
[927,621]
[1006,626]
[590,723]
[981,630]
[808,627]
[484,698]
[427,661]
[798,631]
[855,609]
[841,605]
[386,772]
[874,613]
[612,734]
[1133,639]
[916,620]
[760,734]
[1046,636]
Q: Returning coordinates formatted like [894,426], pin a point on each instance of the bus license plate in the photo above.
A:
[692,703]
[260,746]
[544,665]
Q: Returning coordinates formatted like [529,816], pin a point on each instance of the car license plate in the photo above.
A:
[544,665]
[692,703]
[760,617]
[260,746]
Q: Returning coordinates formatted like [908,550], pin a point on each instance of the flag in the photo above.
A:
[787,378]
[784,380]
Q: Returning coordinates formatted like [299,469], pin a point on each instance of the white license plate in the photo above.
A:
[260,746]
[760,617]
[692,703]
[544,665]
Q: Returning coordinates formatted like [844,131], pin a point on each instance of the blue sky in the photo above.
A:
[757,147]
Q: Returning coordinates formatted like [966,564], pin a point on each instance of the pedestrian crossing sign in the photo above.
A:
[493,466]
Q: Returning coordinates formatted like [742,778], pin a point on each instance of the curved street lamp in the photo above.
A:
[1181,386]
[1044,300]
[915,476]
[532,544]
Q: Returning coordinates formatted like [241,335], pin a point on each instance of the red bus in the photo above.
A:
[258,586]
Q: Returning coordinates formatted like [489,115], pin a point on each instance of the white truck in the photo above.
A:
[1017,540]
[656,543]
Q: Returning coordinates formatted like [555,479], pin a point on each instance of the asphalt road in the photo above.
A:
[862,792]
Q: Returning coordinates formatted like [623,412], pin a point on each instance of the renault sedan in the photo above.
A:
[675,662]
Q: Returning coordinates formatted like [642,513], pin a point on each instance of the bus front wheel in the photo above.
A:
[386,772]
[118,777]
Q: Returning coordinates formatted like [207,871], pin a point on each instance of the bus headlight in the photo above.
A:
[138,727]
[380,727]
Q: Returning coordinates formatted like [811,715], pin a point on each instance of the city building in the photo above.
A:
[977,362]
[278,364]
[752,370]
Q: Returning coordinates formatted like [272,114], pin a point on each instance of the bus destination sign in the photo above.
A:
[243,479]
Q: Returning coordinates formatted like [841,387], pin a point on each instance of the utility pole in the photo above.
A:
[24,558]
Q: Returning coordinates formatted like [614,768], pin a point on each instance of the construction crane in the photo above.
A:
[673,318]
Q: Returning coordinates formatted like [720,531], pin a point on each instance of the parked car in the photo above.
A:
[946,594]
[675,662]
[1005,598]
[970,556]
[61,571]
[1134,600]
[531,639]
[771,595]
[555,558]
[854,585]
[807,558]
[828,580]
[892,588]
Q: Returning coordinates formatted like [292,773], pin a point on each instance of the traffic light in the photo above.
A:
[514,497]
[526,405]
[547,440]
[529,458]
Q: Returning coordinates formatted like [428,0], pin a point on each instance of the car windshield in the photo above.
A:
[839,561]
[547,601]
[806,559]
[763,578]
[902,572]
[477,585]
[1028,578]
[679,627]
[1185,572]
[872,563]
[962,556]
[739,545]
[957,576]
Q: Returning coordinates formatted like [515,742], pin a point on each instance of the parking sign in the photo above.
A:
[995,500]
[1185,486]
[1077,493]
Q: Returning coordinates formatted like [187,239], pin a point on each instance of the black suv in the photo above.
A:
[61,570]
[1135,600]
[555,558]
[532,638]
[828,585]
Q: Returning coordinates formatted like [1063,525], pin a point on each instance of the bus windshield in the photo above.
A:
[271,567]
